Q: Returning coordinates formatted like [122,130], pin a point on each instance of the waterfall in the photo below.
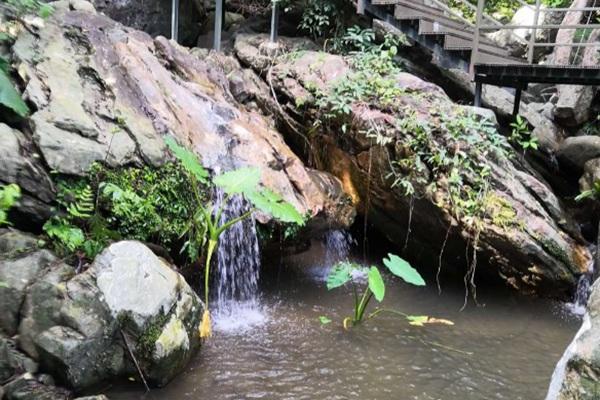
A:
[236,279]
[582,293]
[337,246]
[560,371]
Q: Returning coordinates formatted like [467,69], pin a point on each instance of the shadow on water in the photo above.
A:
[505,350]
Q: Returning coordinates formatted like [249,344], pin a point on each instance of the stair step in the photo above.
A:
[457,38]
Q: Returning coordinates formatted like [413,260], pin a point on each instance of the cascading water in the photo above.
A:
[236,300]
[337,245]
[584,286]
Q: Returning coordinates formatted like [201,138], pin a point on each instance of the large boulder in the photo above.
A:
[544,255]
[80,327]
[591,175]
[104,92]
[578,150]
[577,375]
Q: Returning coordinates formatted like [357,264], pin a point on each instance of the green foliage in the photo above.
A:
[10,98]
[19,7]
[9,195]
[189,160]
[505,9]
[344,272]
[322,319]
[403,269]
[147,204]
[324,18]
[521,134]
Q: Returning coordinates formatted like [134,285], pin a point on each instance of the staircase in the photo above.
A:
[457,43]
[449,37]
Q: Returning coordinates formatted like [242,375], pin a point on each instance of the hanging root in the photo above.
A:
[410,215]
[439,270]
[469,278]
[205,326]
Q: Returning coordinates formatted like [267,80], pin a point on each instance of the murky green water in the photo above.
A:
[505,350]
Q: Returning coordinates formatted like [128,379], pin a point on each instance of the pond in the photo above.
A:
[506,349]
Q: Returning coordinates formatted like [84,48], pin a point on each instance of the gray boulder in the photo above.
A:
[27,387]
[16,276]
[576,151]
[591,174]
[74,325]
[13,242]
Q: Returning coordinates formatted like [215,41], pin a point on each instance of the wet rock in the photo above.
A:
[99,397]
[576,151]
[546,256]
[578,374]
[104,92]
[27,387]
[17,275]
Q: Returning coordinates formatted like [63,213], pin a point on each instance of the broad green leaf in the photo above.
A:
[402,269]
[45,11]
[417,320]
[4,64]
[239,181]
[10,98]
[271,203]
[339,275]
[376,284]
[322,319]
[188,159]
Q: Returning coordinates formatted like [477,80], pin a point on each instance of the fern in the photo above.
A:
[83,206]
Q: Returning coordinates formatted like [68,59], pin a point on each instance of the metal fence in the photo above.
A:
[482,27]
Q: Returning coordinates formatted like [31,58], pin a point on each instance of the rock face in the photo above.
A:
[578,150]
[536,249]
[578,374]
[104,92]
[75,325]
[154,16]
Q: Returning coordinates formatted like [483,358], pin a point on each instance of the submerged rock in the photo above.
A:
[523,233]
[104,92]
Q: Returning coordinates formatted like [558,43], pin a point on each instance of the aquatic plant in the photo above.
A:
[344,273]
[242,182]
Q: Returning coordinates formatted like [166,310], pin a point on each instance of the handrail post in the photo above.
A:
[477,33]
[218,24]
[532,39]
[175,20]
[275,21]
[360,7]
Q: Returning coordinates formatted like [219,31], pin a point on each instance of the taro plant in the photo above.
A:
[345,273]
[9,195]
[208,218]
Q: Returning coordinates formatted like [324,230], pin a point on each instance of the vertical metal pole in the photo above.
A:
[275,22]
[360,7]
[478,90]
[175,20]
[476,37]
[517,104]
[536,17]
[218,24]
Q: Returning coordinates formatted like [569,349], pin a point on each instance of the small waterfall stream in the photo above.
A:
[236,278]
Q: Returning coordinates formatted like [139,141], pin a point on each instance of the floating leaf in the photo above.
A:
[417,320]
[9,97]
[376,284]
[239,181]
[188,160]
[340,275]
[271,203]
[322,319]
[403,269]
[421,320]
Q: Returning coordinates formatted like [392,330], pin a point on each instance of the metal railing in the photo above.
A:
[535,27]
